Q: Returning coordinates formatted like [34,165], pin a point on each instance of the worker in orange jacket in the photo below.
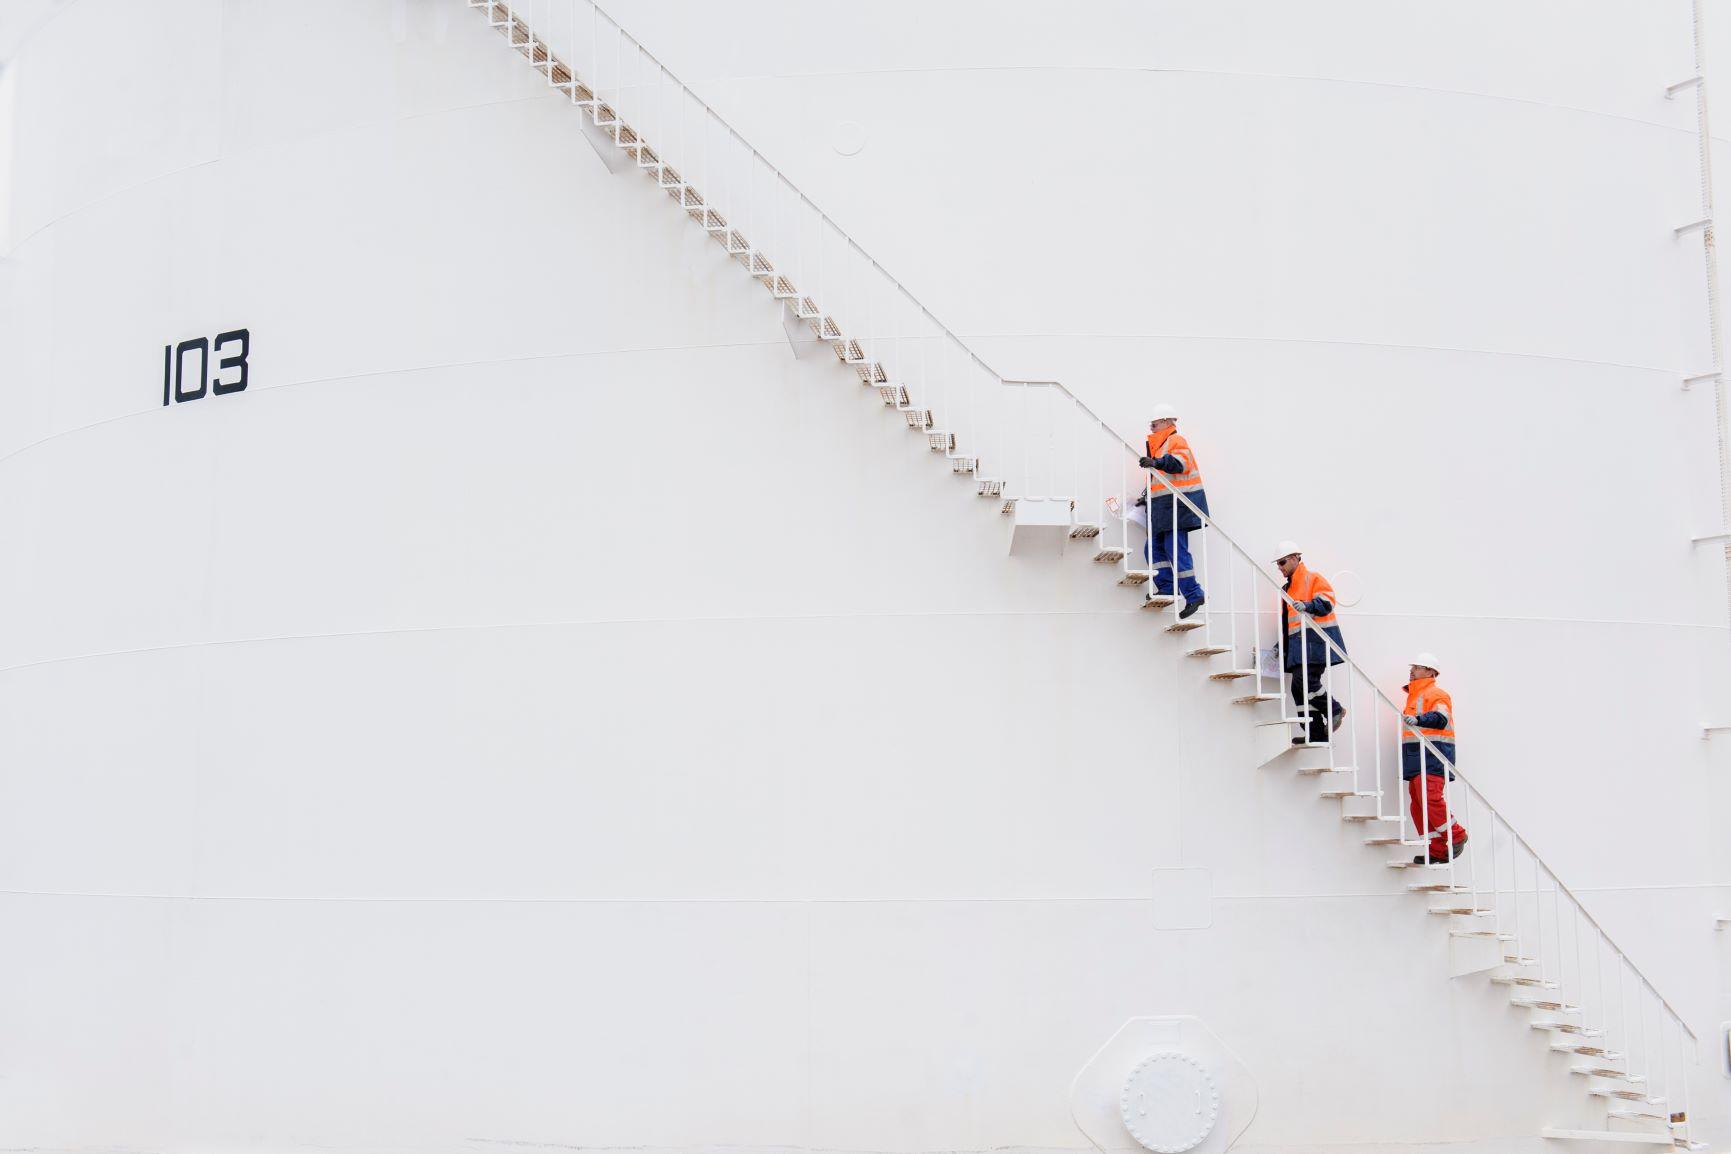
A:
[1171,521]
[1305,633]
[1428,764]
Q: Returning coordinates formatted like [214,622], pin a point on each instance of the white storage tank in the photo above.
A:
[467,681]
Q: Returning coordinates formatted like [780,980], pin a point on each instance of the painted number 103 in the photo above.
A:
[186,367]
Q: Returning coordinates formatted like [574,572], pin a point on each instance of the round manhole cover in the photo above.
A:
[848,137]
[1169,1102]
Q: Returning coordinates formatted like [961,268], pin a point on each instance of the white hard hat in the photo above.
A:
[1164,413]
[1286,549]
[1428,660]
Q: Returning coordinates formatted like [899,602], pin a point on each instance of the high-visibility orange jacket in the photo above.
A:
[1170,453]
[1434,710]
[1302,633]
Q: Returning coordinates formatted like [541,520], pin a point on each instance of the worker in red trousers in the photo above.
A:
[1430,715]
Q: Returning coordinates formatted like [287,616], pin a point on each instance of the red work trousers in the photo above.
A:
[1430,812]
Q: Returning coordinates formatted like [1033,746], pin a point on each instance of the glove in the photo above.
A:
[1412,721]
[1141,500]
[1146,462]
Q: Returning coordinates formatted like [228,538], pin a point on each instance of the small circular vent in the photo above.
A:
[1169,1102]
[848,137]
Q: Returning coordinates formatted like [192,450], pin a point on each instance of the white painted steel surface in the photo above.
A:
[540,696]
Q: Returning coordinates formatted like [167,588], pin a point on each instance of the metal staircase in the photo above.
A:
[1054,462]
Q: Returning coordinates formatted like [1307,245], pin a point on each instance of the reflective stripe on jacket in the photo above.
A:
[1301,633]
[1435,711]
[1173,457]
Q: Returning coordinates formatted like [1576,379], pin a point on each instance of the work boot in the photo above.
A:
[1191,607]
[1339,716]
[1453,853]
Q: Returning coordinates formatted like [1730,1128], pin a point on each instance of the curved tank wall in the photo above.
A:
[540,710]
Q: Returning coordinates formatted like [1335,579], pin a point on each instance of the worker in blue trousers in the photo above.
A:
[1170,521]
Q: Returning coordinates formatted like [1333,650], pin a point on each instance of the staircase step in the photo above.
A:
[895,395]
[941,442]
[1208,651]
[1134,577]
[1158,601]
[1390,840]
[1084,529]
[1369,817]
[1231,675]
[1408,863]
[1574,1029]
[1487,934]
[918,419]
[1463,911]
[1608,1072]
[1624,1095]
[1435,888]
[990,487]
[1186,626]
[1653,1113]
[1348,791]
[1256,698]
[962,465]
[1587,1051]
[1544,1004]
[1108,553]
[1517,980]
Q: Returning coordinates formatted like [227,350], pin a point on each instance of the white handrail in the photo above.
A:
[861,282]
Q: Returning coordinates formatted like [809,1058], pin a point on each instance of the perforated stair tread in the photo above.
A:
[1558,1026]
[1625,1094]
[1608,1072]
